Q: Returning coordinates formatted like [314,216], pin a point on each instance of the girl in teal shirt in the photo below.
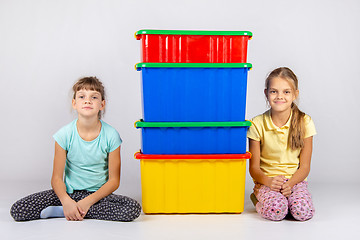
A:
[88,151]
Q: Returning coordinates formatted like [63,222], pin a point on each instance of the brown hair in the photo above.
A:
[90,83]
[297,125]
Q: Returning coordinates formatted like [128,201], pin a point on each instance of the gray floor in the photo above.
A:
[337,211]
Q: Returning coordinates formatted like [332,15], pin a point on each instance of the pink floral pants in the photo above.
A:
[275,206]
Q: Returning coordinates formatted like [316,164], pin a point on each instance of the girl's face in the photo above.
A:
[88,103]
[280,94]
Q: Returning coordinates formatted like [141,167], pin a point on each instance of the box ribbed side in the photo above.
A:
[193,186]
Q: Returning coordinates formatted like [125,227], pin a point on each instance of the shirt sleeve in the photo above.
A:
[253,132]
[115,141]
[309,127]
[62,138]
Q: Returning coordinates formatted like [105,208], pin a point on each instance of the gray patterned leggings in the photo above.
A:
[113,207]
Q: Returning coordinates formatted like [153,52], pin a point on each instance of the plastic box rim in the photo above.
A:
[139,66]
[142,124]
[142,156]
[192,32]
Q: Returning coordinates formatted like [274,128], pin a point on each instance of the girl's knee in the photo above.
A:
[276,214]
[132,215]
[29,207]
[127,214]
[273,208]
[133,207]
[14,212]
[303,215]
[126,211]
[302,210]
[134,211]
[18,211]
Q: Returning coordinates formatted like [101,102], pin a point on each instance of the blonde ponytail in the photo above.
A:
[297,128]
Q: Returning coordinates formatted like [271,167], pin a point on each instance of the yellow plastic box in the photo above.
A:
[193,183]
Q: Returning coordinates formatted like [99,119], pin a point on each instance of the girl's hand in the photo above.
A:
[71,210]
[286,189]
[83,206]
[276,183]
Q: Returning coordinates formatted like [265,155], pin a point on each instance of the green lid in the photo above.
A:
[140,124]
[193,65]
[193,32]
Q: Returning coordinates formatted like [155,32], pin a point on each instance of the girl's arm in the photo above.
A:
[71,211]
[110,186]
[274,183]
[304,167]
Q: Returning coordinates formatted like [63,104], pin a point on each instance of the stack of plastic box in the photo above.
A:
[193,154]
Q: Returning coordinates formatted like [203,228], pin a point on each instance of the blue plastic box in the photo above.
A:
[191,92]
[193,137]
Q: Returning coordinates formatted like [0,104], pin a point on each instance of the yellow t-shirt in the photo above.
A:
[276,157]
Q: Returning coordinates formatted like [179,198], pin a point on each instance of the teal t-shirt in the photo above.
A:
[86,165]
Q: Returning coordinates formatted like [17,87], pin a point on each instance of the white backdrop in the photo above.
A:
[46,45]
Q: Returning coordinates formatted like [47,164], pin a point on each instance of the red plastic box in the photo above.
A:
[175,46]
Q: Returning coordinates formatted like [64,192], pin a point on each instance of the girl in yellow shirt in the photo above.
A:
[280,141]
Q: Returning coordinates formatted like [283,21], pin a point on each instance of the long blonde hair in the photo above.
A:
[297,125]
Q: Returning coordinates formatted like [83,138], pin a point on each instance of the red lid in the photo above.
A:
[247,155]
